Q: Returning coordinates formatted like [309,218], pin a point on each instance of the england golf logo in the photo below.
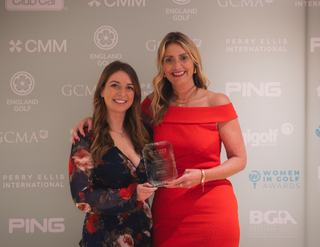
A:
[22,83]
[106,37]
[181,1]
[181,14]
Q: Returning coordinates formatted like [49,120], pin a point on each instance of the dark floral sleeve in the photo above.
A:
[86,196]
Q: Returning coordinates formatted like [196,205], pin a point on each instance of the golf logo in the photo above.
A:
[275,179]
[254,176]
[287,129]
[181,14]
[106,37]
[318,132]
[22,83]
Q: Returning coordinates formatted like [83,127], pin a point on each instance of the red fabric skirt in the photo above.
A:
[191,217]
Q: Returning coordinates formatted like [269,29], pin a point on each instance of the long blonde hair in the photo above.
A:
[133,126]
[162,86]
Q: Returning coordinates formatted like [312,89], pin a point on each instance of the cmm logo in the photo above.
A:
[34,5]
[38,46]
[53,225]
[119,3]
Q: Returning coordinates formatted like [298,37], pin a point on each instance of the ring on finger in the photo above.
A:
[181,185]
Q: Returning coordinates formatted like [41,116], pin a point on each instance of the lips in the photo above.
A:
[179,73]
[119,101]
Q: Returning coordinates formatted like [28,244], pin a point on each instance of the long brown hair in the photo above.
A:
[162,86]
[133,126]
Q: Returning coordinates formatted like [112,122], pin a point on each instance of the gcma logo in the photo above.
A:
[243,3]
[22,83]
[106,37]
[197,42]
[26,137]
[254,176]
[181,1]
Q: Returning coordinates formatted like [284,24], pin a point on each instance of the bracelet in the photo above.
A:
[203,176]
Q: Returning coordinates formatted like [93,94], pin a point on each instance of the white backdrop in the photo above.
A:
[264,54]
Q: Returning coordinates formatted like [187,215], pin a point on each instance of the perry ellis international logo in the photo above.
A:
[34,5]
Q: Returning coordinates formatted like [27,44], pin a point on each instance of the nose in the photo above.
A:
[122,91]
[176,64]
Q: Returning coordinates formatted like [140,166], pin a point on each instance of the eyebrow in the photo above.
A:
[119,82]
[186,53]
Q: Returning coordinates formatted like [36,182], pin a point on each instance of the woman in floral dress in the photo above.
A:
[107,176]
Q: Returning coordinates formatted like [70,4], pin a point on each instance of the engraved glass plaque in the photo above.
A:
[159,163]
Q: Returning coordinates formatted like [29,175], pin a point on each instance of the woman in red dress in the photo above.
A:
[199,208]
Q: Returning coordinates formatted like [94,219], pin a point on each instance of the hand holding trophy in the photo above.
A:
[159,163]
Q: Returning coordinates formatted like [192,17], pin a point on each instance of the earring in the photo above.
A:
[164,76]
[102,99]
[195,71]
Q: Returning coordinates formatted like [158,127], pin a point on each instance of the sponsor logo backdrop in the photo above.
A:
[264,54]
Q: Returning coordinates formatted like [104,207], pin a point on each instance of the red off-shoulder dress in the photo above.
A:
[191,217]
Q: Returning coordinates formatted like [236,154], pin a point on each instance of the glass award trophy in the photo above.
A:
[159,163]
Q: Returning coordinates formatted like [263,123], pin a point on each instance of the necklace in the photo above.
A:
[189,99]
[121,133]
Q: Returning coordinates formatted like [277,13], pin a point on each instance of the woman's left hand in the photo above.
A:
[189,179]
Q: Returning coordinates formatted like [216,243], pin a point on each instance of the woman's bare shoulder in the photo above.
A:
[217,99]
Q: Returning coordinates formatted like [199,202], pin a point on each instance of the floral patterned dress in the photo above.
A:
[107,193]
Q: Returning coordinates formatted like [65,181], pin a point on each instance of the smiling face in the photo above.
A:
[118,92]
[178,66]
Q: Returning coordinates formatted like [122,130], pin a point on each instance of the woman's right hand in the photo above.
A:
[85,122]
[144,191]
